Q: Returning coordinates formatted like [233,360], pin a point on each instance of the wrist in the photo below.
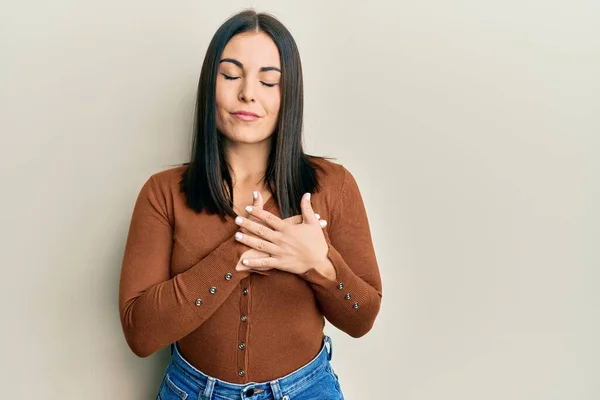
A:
[326,268]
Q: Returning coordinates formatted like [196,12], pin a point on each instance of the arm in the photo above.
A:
[350,251]
[155,310]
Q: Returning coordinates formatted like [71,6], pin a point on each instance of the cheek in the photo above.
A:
[222,102]
[272,104]
[220,97]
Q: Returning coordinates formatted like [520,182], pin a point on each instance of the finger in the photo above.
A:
[307,212]
[246,231]
[297,219]
[260,264]
[272,220]
[241,267]
[257,229]
[258,201]
[257,270]
[257,243]
[293,220]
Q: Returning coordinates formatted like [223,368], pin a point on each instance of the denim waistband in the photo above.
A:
[212,386]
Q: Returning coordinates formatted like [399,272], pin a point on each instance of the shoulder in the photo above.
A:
[167,179]
[161,191]
[330,174]
[164,186]
[333,177]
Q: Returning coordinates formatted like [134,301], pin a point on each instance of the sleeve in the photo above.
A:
[351,302]
[155,310]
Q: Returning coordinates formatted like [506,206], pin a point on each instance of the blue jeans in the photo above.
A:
[314,381]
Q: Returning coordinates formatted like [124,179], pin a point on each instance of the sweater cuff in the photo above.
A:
[347,287]
[314,276]
[206,285]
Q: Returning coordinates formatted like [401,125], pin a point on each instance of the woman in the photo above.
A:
[226,259]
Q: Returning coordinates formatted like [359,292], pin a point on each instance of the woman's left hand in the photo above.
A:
[294,248]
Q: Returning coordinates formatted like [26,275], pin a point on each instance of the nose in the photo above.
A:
[247,94]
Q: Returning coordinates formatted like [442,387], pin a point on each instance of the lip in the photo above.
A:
[245,115]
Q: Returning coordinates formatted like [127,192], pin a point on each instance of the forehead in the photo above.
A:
[253,49]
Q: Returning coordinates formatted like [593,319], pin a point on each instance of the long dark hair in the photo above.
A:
[290,172]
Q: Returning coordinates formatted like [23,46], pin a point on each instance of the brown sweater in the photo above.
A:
[179,283]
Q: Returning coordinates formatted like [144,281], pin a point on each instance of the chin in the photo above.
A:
[247,137]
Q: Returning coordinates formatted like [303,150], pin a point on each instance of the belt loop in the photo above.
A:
[276,390]
[208,390]
[329,345]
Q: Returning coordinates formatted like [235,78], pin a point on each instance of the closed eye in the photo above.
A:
[232,78]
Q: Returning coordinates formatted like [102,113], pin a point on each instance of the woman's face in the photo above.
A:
[248,94]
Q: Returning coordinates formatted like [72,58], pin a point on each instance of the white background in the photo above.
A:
[472,128]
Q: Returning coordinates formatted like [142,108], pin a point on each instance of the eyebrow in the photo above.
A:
[239,64]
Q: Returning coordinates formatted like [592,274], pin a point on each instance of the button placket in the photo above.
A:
[242,362]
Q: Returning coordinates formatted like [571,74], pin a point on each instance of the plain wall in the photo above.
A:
[472,128]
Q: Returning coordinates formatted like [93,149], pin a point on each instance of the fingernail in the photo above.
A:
[308,196]
[323,223]
[245,262]
[249,209]
[238,236]
[255,195]
[317,216]
[238,220]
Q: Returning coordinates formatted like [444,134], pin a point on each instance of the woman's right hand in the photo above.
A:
[258,203]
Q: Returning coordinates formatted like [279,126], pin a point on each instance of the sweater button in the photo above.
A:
[228,276]
[244,318]
[198,302]
[348,296]
[242,346]
[213,290]
[245,291]
[241,373]
[340,285]
[355,305]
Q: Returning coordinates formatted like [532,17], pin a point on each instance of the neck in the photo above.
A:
[247,162]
